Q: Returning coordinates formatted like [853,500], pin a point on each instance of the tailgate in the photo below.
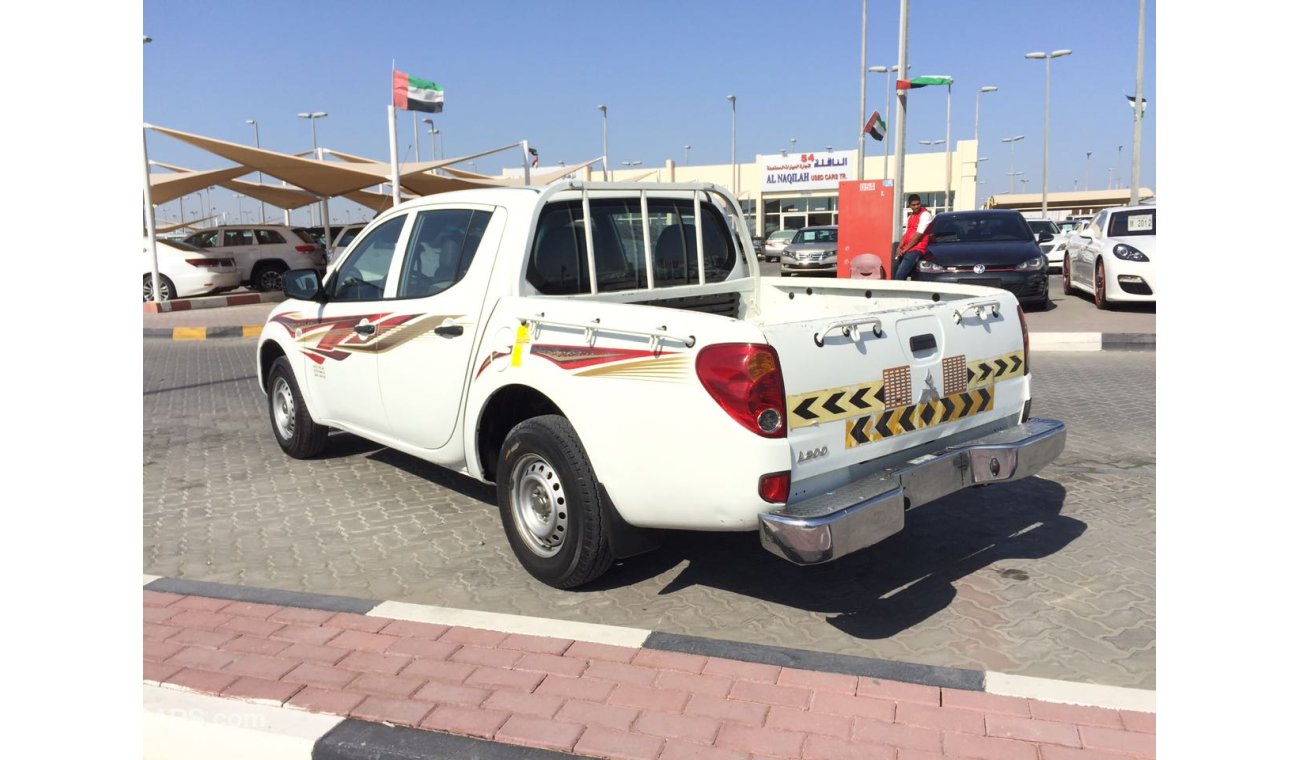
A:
[859,387]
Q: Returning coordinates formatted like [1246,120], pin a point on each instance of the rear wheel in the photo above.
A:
[550,504]
[165,293]
[1099,287]
[296,432]
[269,278]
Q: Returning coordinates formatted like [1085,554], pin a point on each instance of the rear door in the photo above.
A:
[424,360]
[239,244]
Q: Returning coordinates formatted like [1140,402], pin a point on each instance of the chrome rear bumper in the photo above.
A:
[869,510]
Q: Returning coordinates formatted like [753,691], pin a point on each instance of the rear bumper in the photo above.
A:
[869,510]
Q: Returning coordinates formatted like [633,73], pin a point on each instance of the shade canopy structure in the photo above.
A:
[169,187]
[182,225]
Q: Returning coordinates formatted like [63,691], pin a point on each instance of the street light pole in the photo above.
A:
[1047,109]
[1139,105]
[1087,168]
[257,141]
[604,139]
[900,134]
[947,149]
[688,156]
[1013,141]
[978,93]
[324,212]
[1119,162]
[931,142]
[734,181]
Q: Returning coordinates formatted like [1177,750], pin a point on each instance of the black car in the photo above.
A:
[992,248]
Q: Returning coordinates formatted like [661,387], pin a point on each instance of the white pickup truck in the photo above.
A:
[674,389]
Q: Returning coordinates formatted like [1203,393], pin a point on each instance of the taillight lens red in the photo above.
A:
[774,487]
[1024,334]
[745,380]
[305,248]
[203,262]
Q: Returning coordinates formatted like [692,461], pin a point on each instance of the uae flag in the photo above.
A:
[912,84]
[875,127]
[415,94]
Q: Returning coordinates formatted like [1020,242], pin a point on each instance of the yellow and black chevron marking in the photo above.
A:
[988,371]
[877,427]
[835,403]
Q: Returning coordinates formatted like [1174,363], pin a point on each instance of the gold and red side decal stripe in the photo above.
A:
[891,422]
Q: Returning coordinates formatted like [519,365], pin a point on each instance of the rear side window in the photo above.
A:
[268,237]
[204,239]
[442,246]
[558,262]
[304,235]
[364,275]
[237,237]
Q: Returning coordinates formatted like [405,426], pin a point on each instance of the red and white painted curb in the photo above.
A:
[211,302]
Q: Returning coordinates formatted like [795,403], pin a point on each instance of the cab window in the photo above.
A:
[442,245]
[364,275]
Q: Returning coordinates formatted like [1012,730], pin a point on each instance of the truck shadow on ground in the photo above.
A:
[883,590]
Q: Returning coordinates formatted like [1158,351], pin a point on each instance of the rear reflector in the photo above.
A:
[774,487]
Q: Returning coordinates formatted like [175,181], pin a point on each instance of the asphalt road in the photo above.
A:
[1052,577]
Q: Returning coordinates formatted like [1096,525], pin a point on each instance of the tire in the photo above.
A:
[268,278]
[168,289]
[550,504]
[297,433]
[1066,287]
[1099,287]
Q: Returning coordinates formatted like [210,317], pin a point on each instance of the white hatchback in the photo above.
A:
[185,270]
[1113,257]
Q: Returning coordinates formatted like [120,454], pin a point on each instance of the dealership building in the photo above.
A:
[797,189]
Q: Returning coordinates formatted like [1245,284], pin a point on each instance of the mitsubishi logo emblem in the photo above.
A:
[979,269]
[930,393]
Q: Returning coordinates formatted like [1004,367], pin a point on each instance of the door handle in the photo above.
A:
[450,331]
[364,329]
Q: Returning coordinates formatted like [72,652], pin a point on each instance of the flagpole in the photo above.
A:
[392,133]
[528,170]
[862,101]
[415,132]
[947,144]
[899,147]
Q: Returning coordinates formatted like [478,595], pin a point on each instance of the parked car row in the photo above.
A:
[263,252]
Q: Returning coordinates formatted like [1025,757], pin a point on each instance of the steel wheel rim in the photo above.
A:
[538,505]
[282,408]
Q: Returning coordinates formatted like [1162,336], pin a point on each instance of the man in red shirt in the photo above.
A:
[915,239]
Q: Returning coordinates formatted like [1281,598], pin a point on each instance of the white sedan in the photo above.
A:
[186,270]
[1054,249]
[1113,256]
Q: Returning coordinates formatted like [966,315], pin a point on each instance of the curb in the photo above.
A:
[203,333]
[183,722]
[210,302]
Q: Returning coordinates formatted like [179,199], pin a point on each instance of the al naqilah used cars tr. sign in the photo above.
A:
[822,170]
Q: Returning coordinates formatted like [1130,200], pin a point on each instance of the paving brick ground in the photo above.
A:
[1051,577]
[603,701]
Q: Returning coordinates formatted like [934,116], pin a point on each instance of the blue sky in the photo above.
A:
[537,71]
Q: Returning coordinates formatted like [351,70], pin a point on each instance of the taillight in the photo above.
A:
[774,487]
[745,380]
[1024,335]
[304,248]
[203,262]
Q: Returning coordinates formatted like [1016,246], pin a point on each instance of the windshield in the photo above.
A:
[815,235]
[1135,222]
[182,245]
[979,228]
[1044,225]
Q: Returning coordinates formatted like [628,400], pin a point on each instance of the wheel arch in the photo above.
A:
[505,408]
[267,353]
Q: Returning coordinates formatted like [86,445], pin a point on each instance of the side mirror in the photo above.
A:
[1045,237]
[302,284]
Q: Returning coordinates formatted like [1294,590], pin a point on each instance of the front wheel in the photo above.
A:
[1099,287]
[550,504]
[1067,287]
[297,433]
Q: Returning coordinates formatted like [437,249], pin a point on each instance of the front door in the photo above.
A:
[339,337]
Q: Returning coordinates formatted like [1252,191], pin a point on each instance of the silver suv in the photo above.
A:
[263,252]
